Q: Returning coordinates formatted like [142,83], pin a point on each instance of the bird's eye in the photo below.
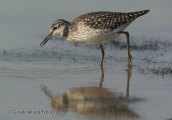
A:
[54,28]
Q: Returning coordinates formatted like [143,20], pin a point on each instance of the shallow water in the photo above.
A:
[66,78]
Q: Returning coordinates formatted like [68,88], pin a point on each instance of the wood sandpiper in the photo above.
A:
[95,28]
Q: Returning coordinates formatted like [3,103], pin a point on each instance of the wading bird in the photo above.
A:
[95,28]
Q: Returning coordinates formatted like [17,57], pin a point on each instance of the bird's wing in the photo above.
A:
[107,20]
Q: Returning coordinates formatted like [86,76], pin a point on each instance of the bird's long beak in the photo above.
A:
[46,39]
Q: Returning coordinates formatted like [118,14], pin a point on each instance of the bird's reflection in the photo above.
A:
[94,102]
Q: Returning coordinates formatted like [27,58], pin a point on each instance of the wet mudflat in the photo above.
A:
[57,83]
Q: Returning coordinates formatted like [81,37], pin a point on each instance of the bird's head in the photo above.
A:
[59,27]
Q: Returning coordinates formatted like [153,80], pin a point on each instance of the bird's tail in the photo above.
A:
[130,16]
[134,15]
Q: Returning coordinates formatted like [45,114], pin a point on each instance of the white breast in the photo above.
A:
[91,36]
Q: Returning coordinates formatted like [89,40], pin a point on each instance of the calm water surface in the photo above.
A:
[64,80]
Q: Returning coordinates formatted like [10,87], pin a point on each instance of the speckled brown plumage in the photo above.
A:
[106,20]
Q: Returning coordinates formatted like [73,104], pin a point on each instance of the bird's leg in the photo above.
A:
[102,75]
[102,55]
[128,47]
[128,79]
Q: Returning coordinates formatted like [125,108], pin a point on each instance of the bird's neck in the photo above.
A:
[65,32]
